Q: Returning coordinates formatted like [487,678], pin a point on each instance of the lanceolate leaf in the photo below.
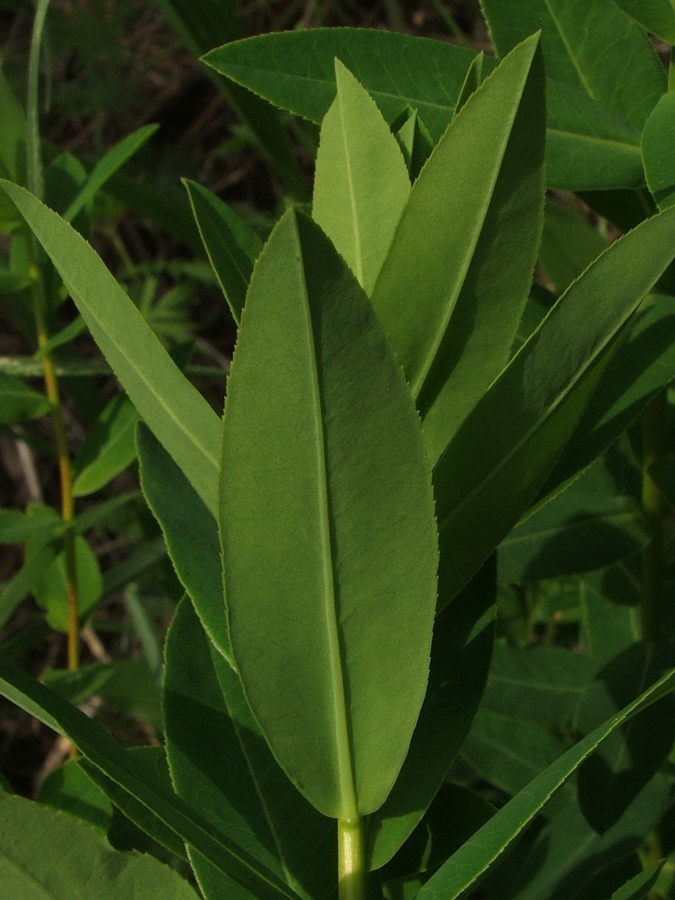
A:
[295,70]
[115,763]
[496,463]
[177,413]
[327,527]
[453,286]
[361,182]
[657,16]
[230,244]
[465,868]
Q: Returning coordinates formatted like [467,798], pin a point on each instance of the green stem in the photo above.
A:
[63,456]
[351,860]
[653,420]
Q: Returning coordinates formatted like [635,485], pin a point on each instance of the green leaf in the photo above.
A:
[49,855]
[493,468]
[582,529]
[657,16]
[295,70]
[609,626]
[69,789]
[327,527]
[640,885]
[231,246]
[586,45]
[106,167]
[529,703]
[51,587]
[465,868]
[643,363]
[17,527]
[361,183]
[574,862]
[77,686]
[190,533]
[612,778]
[569,244]
[116,764]
[414,140]
[588,146]
[451,317]
[658,151]
[108,448]
[215,751]
[177,413]
[461,651]
[19,402]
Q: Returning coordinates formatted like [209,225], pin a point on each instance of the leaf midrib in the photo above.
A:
[345,763]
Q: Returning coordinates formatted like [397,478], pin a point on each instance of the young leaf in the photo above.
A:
[327,527]
[658,152]
[176,412]
[361,183]
[231,246]
[49,854]
[414,140]
[451,314]
[586,45]
[215,751]
[116,764]
[495,465]
[465,868]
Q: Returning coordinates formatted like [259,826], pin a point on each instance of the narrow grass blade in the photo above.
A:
[106,167]
[109,757]
[177,413]
[327,527]
[465,868]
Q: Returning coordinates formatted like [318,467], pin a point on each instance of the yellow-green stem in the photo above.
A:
[351,860]
[653,420]
[65,472]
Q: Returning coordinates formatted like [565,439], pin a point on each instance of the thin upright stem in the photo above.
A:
[351,860]
[653,424]
[63,456]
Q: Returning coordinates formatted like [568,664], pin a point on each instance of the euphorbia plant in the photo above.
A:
[334,532]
